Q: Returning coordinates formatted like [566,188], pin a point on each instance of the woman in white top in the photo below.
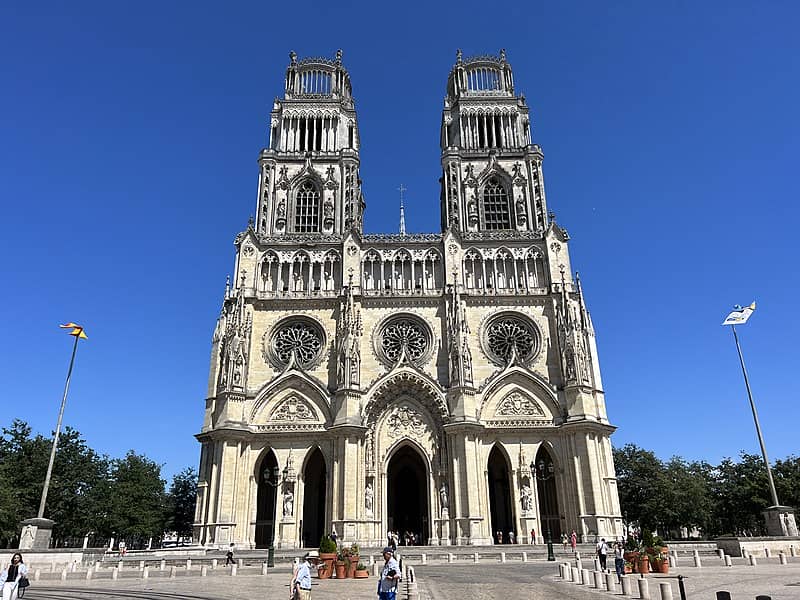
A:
[10,576]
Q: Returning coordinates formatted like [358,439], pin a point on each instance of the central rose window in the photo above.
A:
[511,335]
[404,335]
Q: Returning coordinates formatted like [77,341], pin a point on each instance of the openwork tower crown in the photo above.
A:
[317,77]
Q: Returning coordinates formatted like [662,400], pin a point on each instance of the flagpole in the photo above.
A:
[755,418]
[58,429]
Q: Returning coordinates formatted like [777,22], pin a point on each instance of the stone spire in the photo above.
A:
[402,189]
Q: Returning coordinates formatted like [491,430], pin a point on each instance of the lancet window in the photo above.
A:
[490,129]
[300,274]
[505,271]
[496,206]
[306,208]
[301,133]
[402,272]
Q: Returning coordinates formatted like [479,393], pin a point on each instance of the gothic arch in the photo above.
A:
[292,382]
[499,482]
[524,380]
[405,381]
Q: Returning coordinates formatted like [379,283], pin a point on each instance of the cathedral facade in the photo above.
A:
[445,385]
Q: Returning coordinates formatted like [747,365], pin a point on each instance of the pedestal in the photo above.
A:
[36,534]
[780,521]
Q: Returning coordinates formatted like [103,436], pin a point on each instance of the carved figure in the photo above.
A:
[527,498]
[443,496]
[288,502]
[368,498]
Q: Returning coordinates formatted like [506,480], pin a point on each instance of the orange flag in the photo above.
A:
[77,330]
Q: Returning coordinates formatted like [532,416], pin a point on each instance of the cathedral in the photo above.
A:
[444,385]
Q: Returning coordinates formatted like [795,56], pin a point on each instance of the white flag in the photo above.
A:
[740,315]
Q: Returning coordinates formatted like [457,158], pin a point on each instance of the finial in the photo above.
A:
[293,57]
[502,55]
[459,56]
[402,189]
[551,215]
[227,285]
[250,222]
[339,56]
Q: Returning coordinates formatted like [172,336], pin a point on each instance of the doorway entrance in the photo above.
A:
[268,482]
[407,495]
[314,500]
[502,518]
[548,497]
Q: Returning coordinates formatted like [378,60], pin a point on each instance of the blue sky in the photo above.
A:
[128,143]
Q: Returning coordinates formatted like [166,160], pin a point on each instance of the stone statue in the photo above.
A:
[368,498]
[443,496]
[527,498]
[288,503]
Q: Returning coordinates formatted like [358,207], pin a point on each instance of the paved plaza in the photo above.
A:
[438,580]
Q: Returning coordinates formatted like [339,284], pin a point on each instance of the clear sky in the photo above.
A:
[129,134]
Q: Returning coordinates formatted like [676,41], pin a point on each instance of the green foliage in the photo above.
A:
[327,545]
[181,502]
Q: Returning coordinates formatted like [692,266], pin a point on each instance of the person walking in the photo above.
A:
[564,540]
[10,576]
[533,536]
[300,588]
[390,576]
[602,553]
[229,555]
[573,540]
[619,560]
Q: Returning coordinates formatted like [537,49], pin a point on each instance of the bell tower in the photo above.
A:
[492,172]
[309,174]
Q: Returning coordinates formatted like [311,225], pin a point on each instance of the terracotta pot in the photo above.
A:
[643,565]
[341,569]
[326,564]
[628,570]
[351,567]
[361,574]
[661,565]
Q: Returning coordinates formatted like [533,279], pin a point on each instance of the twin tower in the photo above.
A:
[442,385]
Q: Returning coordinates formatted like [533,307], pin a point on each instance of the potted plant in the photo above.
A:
[327,554]
[342,562]
[656,553]
[361,571]
[628,567]
[643,564]
[632,551]
[352,556]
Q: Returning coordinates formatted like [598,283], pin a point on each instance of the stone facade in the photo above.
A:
[445,384]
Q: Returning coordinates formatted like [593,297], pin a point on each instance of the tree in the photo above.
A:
[641,484]
[137,510]
[181,502]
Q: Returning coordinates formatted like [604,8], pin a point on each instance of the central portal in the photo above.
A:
[407,495]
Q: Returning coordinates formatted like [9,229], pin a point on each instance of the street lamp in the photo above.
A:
[272,477]
[543,472]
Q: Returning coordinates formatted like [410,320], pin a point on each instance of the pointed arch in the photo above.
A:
[530,386]
[297,383]
[306,211]
[314,475]
[546,473]
[410,381]
[266,473]
[501,507]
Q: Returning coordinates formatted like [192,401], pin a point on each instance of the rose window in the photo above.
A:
[301,338]
[407,335]
[510,335]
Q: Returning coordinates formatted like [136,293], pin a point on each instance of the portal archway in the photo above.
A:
[502,517]
[268,482]
[314,478]
[407,494]
[548,495]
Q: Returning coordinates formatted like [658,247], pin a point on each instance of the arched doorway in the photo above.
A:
[268,482]
[314,499]
[548,497]
[502,517]
[407,495]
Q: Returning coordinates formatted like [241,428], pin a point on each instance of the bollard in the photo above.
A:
[204,570]
[424,559]
[577,555]
[145,572]
[476,557]
[575,575]
[626,586]
[64,574]
[241,563]
[675,556]
[792,551]
[188,564]
[720,552]
[561,569]
[781,558]
[214,564]
[586,577]
[697,560]
[598,580]
[611,582]
[578,563]
[596,564]
[119,565]
[115,573]
[752,559]
[681,587]
[728,562]
[234,569]
[671,560]
[37,574]
[524,557]
[173,571]
[767,553]
[88,574]
[162,565]
[375,571]
[723,595]
[644,590]
[567,573]
[73,567]
[666,590]
[502,557]
[264,568]
[449,557]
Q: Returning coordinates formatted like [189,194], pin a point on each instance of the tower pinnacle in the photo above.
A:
[402,189]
